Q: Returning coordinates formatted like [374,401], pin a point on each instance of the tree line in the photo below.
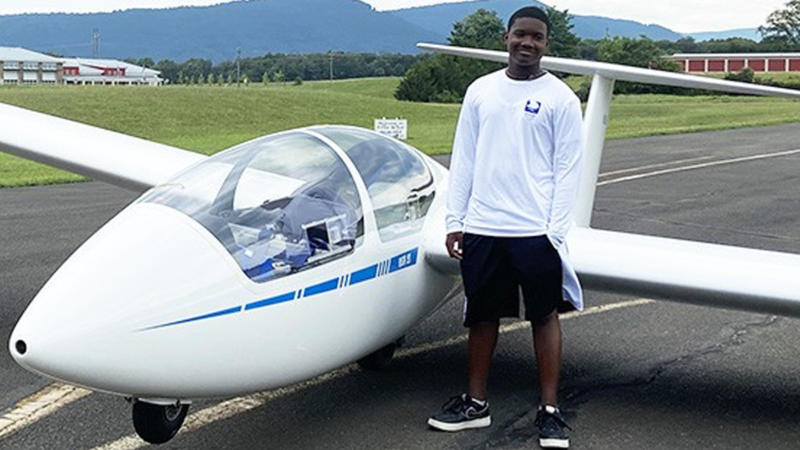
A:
[279,67]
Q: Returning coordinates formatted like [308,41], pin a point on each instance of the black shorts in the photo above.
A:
[494,268]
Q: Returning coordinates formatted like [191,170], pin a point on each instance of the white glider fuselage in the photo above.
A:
[155,306]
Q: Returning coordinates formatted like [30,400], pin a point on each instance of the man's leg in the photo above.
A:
[547,345]
[471,410]
[482,341]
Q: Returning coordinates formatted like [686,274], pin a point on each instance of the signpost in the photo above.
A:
[396,128]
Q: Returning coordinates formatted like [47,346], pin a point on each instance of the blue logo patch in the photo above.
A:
[533,109]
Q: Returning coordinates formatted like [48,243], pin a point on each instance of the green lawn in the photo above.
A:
[777,76]
[646,115]
[210,118]
[383,87]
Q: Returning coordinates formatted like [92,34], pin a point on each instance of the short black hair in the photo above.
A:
[534,13]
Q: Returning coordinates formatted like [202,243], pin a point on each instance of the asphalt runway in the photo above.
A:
[655,375]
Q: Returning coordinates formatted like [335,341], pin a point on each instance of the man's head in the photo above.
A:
[527,37]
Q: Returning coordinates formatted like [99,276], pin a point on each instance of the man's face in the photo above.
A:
[526,41]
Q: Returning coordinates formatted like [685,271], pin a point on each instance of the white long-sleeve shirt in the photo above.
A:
[515,165]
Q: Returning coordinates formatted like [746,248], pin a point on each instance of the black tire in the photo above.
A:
[157,424]
[379,359]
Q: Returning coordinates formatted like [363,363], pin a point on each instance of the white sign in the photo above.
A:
[396,128]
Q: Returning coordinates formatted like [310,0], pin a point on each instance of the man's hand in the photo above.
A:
[455,245]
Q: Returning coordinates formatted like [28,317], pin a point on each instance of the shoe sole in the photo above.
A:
[553,443]
[482,422]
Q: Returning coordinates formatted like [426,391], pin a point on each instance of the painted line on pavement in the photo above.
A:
[238,405]
[39,405]
[700,166]
[653,166]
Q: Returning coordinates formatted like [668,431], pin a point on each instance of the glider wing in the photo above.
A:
[125,161]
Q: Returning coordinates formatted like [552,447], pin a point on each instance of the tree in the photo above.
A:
[783,24]
[687,45]
[169,70]
[444,78]
[279,77]
[196,68]
[143,62]
[265,78]
[730,45]
[563,42]
[587,49]
[640,52]
[481,29]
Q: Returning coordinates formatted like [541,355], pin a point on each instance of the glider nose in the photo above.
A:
[148,262]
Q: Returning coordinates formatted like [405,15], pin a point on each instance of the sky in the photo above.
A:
[679,15]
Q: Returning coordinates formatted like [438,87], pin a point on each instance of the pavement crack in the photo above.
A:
[575,398]
[734,339]
[520,429]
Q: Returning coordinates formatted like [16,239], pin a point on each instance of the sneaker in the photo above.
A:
[551,428]
[460,413]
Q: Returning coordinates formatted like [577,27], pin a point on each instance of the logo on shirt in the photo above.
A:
[533,107]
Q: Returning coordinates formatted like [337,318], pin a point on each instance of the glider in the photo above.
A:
[296,253]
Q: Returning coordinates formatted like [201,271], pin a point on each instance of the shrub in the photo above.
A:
[745,75]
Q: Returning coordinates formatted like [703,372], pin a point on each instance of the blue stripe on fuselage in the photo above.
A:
[269,301]
[401,261]
[222,312]
[364,274]
[325,286]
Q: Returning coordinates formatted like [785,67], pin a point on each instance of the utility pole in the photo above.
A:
[95,43]
[330,61]
[238,69]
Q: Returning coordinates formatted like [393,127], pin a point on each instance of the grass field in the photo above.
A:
[210,118]
[777,76]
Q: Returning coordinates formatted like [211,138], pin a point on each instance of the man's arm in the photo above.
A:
[462,162]
[567,156]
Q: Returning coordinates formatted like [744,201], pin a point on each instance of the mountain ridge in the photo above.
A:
[270,26]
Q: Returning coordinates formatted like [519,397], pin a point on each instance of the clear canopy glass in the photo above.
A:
[399,183]
[287,202]
[278,204]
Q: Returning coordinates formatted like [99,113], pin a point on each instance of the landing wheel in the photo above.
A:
[157,424]
[380,359]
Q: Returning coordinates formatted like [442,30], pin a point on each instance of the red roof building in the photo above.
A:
[734,62]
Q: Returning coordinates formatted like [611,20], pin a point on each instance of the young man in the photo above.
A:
[513,182]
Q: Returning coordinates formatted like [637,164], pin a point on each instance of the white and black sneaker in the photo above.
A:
[460,413]
[552,427]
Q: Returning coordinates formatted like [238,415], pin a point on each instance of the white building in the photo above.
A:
[108,71]
[21,66]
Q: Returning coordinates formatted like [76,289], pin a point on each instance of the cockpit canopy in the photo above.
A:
[286,202]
